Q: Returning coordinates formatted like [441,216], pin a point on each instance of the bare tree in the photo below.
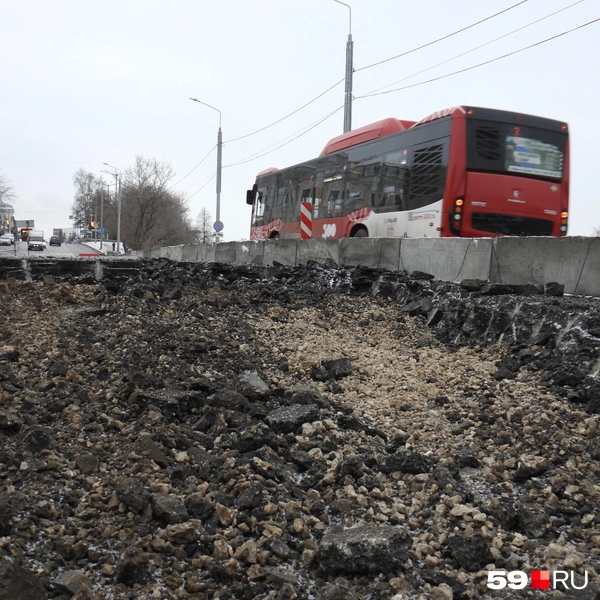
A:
[152,215]
[203,226]
[7,197]
[7,192]
[88,194]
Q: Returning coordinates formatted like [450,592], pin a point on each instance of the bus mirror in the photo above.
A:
[251,195]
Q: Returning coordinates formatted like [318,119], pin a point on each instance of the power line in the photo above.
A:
[211,151]
[375,64]
[487,62]
[287,116]
[443,38]
[315,124]
[477,47]
[209,177]
[200,189]
[253,157]
[292,135]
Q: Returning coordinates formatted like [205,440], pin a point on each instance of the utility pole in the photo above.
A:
[118,192]
[219,161]
[349,60]
[119,217]
[101,214]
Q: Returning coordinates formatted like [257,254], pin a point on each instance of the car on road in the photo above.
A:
[55,240]
[6,239]
[36,243]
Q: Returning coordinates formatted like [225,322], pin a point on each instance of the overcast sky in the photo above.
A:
[85,83]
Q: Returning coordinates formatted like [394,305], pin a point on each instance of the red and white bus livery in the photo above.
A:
[463,171]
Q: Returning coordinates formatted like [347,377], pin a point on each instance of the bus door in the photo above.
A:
[427,180]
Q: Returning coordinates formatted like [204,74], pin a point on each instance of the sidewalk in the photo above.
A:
[107,248]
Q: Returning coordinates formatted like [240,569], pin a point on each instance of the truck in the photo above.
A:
[35,240]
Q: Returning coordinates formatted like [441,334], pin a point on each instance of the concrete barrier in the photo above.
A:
[189,253]
[320,251]
[449,259]
[206,253]
[383,253]
[173,253]
[225,252]
[572,261]
[283,252]
[249,253]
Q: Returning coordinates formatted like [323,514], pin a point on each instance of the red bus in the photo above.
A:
[464,171]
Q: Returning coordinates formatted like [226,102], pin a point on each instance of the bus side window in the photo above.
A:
[317,196]
[290,210]
[259,209]
[356,194]
[306,195]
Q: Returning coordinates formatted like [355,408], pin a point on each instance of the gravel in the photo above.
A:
[209,431]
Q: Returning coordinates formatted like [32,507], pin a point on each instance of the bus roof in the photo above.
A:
[268,171]
[392,125]
[440,114]
[365,134]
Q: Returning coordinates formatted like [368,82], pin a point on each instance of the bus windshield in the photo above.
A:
[514,149]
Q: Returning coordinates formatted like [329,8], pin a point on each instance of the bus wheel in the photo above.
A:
[360,232]
[274,236]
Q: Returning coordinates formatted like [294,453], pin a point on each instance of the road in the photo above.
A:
[65,250]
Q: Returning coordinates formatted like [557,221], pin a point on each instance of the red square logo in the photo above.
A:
[540,580]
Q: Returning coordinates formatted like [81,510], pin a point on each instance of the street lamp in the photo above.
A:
[118,189]
[102,204]
[219,157]
[348,96]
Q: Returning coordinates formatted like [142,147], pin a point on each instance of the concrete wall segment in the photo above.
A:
[189,253]
[249,253]
[572,261]
[449,259]
[206,253]
[284,252]
[370,252]
[321,251]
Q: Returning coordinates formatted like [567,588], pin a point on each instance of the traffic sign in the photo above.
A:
[26,223]
[101,230]
[218,225]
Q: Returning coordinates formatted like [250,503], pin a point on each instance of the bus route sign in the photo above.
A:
[218,226]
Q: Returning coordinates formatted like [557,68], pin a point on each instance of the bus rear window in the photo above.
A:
[520,150]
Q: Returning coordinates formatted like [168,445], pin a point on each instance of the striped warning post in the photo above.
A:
[305,220]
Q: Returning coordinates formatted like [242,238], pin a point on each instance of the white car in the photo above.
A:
[6,239]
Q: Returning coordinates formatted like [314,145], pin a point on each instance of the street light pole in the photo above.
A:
[118,190]
[101,214]
[102,232]
[219,161]
[349,56]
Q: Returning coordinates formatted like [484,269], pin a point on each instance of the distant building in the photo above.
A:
[7,212]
